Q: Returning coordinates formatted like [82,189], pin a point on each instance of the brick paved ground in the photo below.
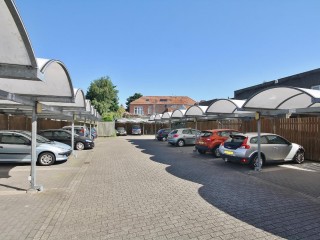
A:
[139,188]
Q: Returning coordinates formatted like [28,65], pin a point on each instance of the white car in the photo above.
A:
[15,146]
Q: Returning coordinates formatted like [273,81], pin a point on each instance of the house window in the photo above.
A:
[138,110]
[163,100]
[150,109]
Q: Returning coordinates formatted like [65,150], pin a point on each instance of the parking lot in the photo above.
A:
[135,187]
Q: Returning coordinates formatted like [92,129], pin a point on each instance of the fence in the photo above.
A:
[304,131]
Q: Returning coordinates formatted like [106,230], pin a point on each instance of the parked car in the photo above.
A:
[15,146]
[64,136]
[243,148]
[183,136]
[210,140]
[162,134]
[121,131]
[136,130]
[94,133]
[80,130]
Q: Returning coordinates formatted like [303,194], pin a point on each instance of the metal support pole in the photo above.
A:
[72,137]
[33,185]
[258,166]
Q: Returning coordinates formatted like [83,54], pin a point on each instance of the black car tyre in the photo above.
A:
[180,143]
[254,161]
[201,151]
[79,146]
[216,152]
[299,157]
[46,159]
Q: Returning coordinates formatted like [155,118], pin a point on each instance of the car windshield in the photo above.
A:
[40,139]
[120,128]
[135,127]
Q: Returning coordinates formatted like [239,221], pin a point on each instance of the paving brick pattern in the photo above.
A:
[139,188]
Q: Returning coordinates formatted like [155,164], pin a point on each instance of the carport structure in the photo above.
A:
[56,87]
[196,112]
[280,101]
[21,73]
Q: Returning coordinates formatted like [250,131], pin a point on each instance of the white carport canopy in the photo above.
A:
[283,98]
[17,58]
[228,108]
[166,116]
[158,117]
[178,113]
[152,117]
[196,111]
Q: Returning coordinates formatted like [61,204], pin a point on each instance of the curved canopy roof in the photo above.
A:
[283,98]
[56,87]
[158,117]
[227,106]
[17,58]
[166,115]
[178,113]
[196,111]
[79,101]
[152,117]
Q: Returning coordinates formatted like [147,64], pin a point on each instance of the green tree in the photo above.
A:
[131,99]
[103,95]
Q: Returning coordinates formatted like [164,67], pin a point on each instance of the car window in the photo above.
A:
[205,134]
[186,131]
[276,140]
[46,134]
[224,134]
[174,132]
[236,139]
[13,139]
[61,134]
[263,140]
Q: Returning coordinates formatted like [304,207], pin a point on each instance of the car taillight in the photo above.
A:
[175,135]
[244,144]
[222,144]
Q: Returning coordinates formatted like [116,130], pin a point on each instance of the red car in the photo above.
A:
[210,140]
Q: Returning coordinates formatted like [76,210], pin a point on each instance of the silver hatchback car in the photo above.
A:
[15,146]
[183,136]
[243,148]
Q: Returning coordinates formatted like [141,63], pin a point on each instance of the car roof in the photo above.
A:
[253,134]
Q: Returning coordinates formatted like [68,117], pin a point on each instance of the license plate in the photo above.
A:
[228,152]
[200,142]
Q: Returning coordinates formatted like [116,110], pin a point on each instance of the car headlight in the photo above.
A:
[87,140]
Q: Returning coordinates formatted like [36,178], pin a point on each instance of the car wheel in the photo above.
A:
[216,152]
[299,157]
[201,151]
[254,161]
[79,146]
[180,143]
[46,159]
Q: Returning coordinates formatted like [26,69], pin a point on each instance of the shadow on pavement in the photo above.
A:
[252,197]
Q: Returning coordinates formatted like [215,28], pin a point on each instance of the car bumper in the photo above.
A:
[202,148]
[89,145]
[63,156]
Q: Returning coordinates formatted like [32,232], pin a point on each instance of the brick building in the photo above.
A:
[148,105]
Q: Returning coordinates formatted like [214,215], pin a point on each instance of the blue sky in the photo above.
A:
[203,49]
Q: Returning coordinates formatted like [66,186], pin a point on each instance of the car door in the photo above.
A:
[14,147]
[278,147]
[193,136]
[62,136]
